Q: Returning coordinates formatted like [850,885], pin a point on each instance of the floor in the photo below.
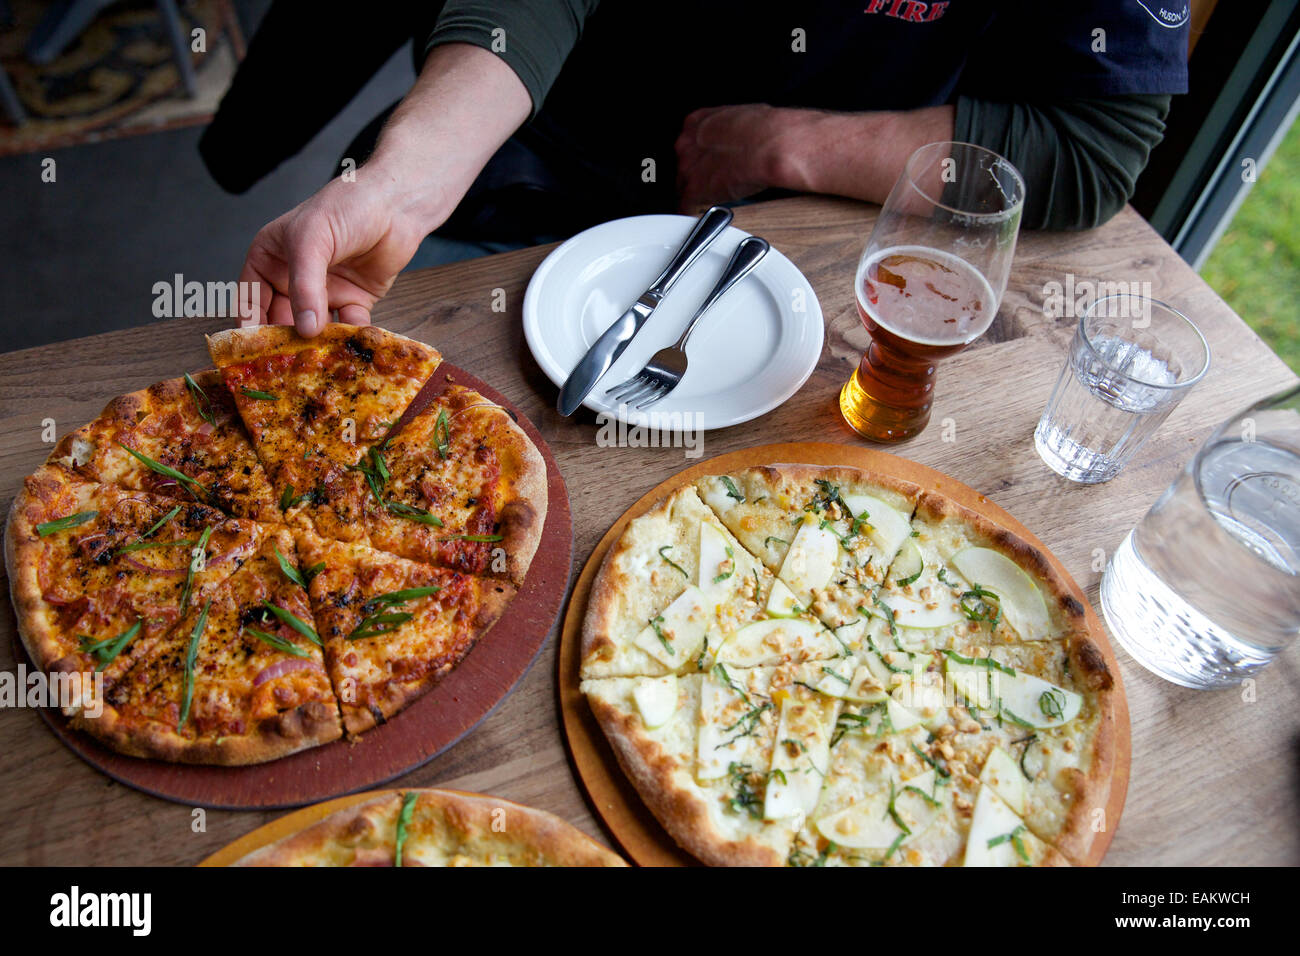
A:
[81,255]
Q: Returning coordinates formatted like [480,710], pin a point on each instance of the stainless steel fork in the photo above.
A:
[665,370]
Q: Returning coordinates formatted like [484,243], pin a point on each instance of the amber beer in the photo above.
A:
[919,305]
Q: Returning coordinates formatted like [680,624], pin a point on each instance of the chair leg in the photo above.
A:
[61,25]
[10,105]
[180,47]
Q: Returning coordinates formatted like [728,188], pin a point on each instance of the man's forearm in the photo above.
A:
[859,155]
[464,105]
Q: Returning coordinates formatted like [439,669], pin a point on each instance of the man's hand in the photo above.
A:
[342,248]
[725,153]
[337,252]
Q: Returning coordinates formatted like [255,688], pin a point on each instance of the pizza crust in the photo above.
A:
[661,779]
[446,829]
[231,346]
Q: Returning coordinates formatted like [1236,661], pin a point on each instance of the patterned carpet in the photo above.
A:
[118,77]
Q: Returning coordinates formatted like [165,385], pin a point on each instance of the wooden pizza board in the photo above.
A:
[612,794]
[301,819]
[416,735]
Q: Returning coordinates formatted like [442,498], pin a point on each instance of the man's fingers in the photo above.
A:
[354,315]
[279,312]
[309,261]
[255,303]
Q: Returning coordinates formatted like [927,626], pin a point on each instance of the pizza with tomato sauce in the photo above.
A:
[249,561]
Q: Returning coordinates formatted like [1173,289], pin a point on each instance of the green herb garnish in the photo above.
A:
[732,490]
[1014,839]
[442,434]
[289,570]
[197,556]
[295,622]
[657,624]
[260,396]
[732,558]
[63,524]
[403,821]
[669,547]
[415,514]
[106,651]
[279,643]
[201,401]
[982,609]
[191,658]
[938,767]
[1028,742]
[186,481]
[772,537]
[473,537]
[379,617]
[1052,703]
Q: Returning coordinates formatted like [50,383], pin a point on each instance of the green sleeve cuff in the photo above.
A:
[533,37]
[1080,158]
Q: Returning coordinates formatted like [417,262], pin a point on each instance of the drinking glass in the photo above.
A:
[1205,591]
[1130,363]
[930,280]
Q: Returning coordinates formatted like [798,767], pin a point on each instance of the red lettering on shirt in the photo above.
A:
[909,11]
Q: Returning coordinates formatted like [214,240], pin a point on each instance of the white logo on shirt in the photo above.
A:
[1165,16]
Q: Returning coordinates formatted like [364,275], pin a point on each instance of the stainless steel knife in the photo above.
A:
[615,339]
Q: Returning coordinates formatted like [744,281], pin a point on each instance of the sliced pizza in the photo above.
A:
[239,679]
[391,627]
[698,747]
[99,573]
[181,438]
[459,485]
[829,534]
[435,828]
[315,407]
[678,592]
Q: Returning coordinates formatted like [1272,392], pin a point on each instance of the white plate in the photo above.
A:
[750,352]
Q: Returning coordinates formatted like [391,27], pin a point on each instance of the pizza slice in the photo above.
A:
[678,592]
[459,485]
[181,438]
[99,573]
[392,628]
[435,828]
[315,407]
[698,748]
[239,679]
[828,534]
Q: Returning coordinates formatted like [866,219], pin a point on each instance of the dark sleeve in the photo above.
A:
[1080,157]
[533,36]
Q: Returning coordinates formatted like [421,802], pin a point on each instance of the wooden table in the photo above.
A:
[1214,776]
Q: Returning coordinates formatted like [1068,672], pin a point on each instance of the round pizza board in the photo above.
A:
[434,722]
[612,794]
[301,819]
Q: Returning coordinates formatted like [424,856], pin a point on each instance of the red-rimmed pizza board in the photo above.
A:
[612,795]
[434,722]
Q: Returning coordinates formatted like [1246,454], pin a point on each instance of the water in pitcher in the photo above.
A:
[1206,590]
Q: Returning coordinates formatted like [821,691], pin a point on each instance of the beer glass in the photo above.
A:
[930,280]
